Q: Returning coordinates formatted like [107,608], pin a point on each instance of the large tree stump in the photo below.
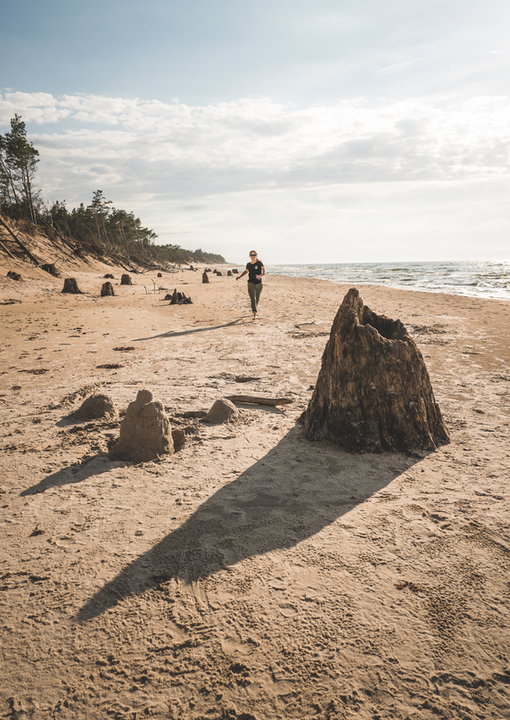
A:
[71,286]
[373,392]
[107,289]
[205,277]
[126,279]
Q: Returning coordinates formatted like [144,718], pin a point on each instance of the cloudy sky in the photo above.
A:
[312,130]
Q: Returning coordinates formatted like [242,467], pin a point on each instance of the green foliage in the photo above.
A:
[98,228]
[18,162]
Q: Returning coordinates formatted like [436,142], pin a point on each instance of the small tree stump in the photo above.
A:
[235,271]
[126,280]
[219,273]
[107,289]
[51,269]
[71,286]
[229,273]
[160,275]
[108,276]
[373,392]
[205,277]
[13,275]
[178,298]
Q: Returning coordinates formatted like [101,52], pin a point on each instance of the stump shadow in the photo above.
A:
[75,473]
[290,494]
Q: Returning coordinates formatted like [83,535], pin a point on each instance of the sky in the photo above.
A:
[310,130]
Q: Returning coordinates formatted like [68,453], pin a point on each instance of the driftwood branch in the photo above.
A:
[19,243]
[7,251]
[252,399]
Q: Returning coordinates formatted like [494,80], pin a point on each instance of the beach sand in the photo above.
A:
[252,575]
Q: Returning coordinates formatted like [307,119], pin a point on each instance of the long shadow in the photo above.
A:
[292,493]
[75,473]
[171,333]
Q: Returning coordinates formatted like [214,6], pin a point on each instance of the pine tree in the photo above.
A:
[18,163]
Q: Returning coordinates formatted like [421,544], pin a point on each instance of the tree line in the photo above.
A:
[97,228]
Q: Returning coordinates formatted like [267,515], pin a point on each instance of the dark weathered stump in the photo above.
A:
[373,392]
[191,267]
[108,276]
[51,269]
[126,280]
[229,273]
[235,271]
[205,277]
[178,298]
[219,273]
[107,289]
[160,275]
[13,275]
[71,286]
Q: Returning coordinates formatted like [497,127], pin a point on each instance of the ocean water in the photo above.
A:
[476,279]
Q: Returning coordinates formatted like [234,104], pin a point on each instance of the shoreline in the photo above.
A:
[251,573]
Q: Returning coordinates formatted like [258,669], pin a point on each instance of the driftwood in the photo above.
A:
[373,392]
[254,400]
[71,286]
[126,280]
[107,289]
[6,249]
[205,277]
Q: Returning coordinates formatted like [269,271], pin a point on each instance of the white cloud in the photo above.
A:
[254,163]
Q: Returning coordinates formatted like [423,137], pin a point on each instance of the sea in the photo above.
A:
[473,278]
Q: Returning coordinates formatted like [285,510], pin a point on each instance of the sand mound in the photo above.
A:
[221,412]
[97,406]
[145,431]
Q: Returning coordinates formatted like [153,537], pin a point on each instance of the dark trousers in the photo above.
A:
[254,290]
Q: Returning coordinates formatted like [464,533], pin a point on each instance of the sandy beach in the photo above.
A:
[253,575]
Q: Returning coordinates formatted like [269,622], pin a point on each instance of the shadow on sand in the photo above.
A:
[171,333]
[75,473]
[292,493]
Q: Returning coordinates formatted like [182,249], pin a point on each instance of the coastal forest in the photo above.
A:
[98,229]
